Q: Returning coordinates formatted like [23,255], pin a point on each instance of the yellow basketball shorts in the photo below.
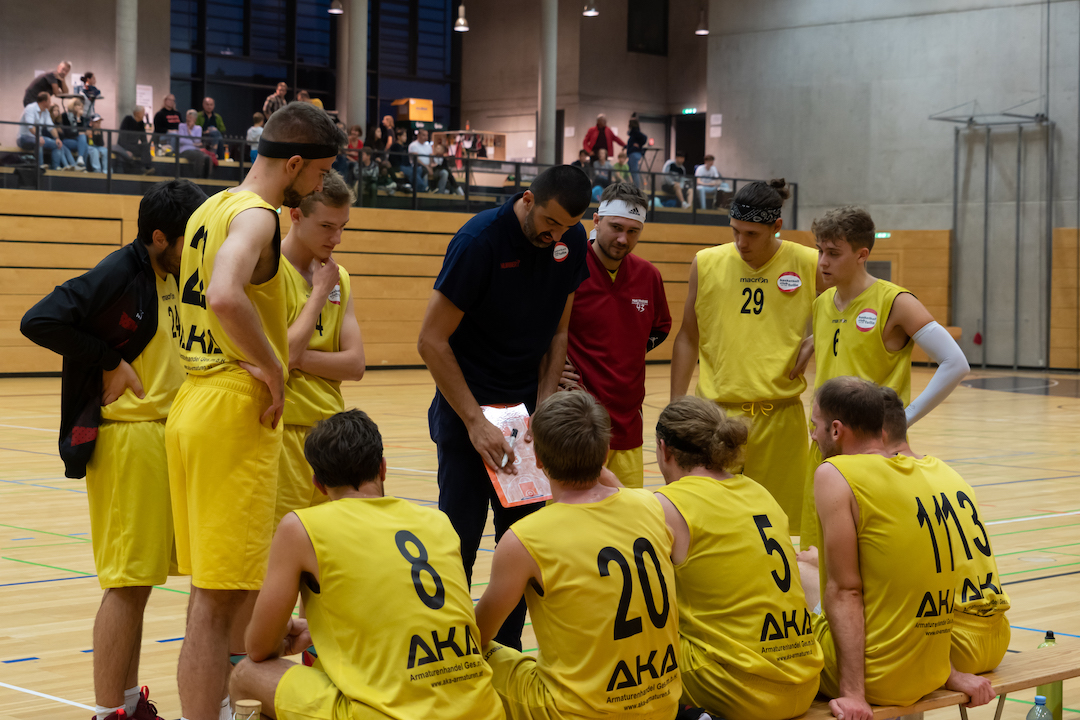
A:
[978,643]
[725,691]
[305,693]
[628,466]
[295,490]
[775,453]
[223,468]
[131,524]
[810,530]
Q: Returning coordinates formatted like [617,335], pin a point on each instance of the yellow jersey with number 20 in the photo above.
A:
[205,347]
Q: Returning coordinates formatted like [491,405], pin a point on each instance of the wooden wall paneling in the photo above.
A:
[1065,300]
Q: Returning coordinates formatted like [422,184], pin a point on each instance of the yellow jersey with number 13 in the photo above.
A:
[205,347]
[751,323]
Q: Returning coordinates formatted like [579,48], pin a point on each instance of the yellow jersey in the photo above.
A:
[978,590]
[852,343]
[908,582]
[310,398]
[606,622]
[205,347]
[391,615]
[158,365]
[760,623]
[751,323]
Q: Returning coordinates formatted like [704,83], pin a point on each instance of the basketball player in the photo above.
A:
[980,635]
[224,434]
[495,333]
[387,602]
[748,652]
[325,346]
[596,572]
[888,587]
[746,319]
[866,327]
[116,327]
[620,313]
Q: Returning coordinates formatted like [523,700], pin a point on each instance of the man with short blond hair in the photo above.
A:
[54,83]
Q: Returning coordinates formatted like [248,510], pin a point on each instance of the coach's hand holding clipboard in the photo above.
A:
[516,478]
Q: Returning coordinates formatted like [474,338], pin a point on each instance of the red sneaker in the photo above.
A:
[117,715]
[145,710]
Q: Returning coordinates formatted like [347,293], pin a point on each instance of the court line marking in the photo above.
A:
[47,697]
[26,427]
[1032,517]
[47,487]
[1013,482]
[426,472]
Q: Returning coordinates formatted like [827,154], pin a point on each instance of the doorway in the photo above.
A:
[690,138]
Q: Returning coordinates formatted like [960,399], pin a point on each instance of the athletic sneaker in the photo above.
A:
[118,715]
[145,710]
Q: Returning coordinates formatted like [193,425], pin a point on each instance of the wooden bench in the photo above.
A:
[1017,671]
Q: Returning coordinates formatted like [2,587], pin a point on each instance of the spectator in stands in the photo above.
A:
[369,177]
[53,83]
[191,145]
[440,170]
[275,102]
[675,180]
[396,151]
[133,146]
[708,180]
[355,143]
[37,131]
[166,120]
[213,128]
[67,159]
[97,155]
[305,96]
[600,137]
[620,170]
[601,170]
[255,132]
[87,87]
[585,163]
[420,157]
[75,131]
[635,148]
[389,132]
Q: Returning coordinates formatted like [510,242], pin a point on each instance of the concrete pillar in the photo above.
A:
[356,15]
[549,44]
[127,45]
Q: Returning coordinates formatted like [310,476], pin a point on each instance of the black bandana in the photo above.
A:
[284,150]
[749,213]
[676,442]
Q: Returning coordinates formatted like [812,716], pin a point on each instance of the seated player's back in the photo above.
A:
[392,617]
[740,597]
[606,621]
[980,634]
[907,580]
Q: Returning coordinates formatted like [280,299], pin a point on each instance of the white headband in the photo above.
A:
[623,209]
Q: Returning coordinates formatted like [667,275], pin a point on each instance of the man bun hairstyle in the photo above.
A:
[571,432]
[855,402]
[167,206]
[567,185]
[345,449]
[895,423]
[699,433]
[758,194]
[849,224]
[300,122]
[627,192]
[335,193]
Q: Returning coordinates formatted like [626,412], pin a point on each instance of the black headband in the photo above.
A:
[674,441]
[749,213]
[286,150]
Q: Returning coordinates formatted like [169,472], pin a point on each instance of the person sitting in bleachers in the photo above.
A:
[133,146]
[67,158]
[75,132]
[97,154]
[38,133]
[255,132]
[191,145]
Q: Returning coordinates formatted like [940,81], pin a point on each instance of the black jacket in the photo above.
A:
[94,321]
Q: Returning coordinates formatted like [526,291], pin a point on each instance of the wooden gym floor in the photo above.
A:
[1021,451]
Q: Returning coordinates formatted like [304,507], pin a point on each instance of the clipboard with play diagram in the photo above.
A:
[530,484]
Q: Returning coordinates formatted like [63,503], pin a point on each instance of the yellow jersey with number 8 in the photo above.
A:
[309,398]
[205,347]
[751,323]
[851,342]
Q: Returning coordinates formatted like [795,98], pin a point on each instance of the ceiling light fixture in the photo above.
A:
[590,9]
[461,24]
[336,8]
[702,26]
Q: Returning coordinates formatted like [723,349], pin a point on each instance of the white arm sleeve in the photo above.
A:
[952,367]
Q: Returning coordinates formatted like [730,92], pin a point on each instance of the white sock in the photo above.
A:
[226,711]
[104,712]
[131,700]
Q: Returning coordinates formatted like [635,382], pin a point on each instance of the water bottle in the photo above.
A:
[1039,711]
[1051,691]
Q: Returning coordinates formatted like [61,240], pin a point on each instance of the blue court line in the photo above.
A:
[987,457]
[418,500]
[1017,627]
[77,534]
[1044,577]
[32,452]
[48,487]
[169,640]
[32,582]
[1013,482]
[29,538]
[8,662]
[87,651]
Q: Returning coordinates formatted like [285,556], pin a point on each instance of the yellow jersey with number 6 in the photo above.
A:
[751,323]
[205,347]
[851,341]
[310,398]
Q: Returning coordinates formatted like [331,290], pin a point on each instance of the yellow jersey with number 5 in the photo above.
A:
[310,398]
[851,342]
[751,323]
[205,347]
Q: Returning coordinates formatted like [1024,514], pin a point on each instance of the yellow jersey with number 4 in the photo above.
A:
[908,578]
[391,615]
[759,623]
[751,323]
[606,621]
[851,342]
[310,398]
[205,347]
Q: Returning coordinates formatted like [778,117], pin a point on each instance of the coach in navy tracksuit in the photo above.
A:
[495,333]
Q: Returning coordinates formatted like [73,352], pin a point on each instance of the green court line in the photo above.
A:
[1040,569]
[45,532]
[1017,532]
[1030,702]
[22,547]
[51,567]
[1034,550]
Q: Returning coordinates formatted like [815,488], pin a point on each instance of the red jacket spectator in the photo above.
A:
[593,134]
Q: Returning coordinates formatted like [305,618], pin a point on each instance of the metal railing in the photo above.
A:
[390,180]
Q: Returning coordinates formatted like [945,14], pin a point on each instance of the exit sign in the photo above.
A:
[881,235]
[689,111]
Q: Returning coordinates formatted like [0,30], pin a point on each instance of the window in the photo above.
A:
[647,26]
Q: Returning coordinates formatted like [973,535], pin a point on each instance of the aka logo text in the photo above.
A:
[419,645]
[623,678]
